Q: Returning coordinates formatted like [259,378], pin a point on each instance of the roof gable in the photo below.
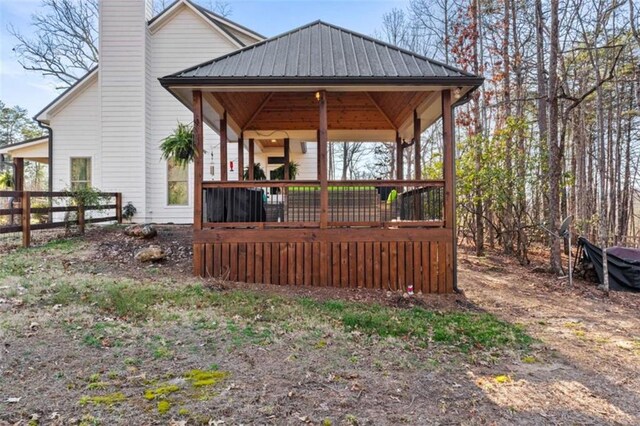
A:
[322,51]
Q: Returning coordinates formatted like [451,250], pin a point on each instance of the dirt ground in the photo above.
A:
[582,367]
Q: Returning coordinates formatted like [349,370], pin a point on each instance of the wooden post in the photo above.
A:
[26,219]
[322,157]
[399,162]
[252,159]
[198,136]
[119,207]
[223,147]
[416,145]
[449,175]
[318,154]
[286,159]
[81,218]
[448,163]
[18,178]
[240,157]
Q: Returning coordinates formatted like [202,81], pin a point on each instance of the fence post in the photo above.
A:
[119,207]
[81,217]
[26,219]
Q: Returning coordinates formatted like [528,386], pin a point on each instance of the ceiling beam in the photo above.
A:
[258,110]
[219,107]
[382,111]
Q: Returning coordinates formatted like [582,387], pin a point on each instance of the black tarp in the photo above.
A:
[623,264]
[234,205]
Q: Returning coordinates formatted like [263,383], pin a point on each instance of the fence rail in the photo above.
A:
[18,214]
[297,204]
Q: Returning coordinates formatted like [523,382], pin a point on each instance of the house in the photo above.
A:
[270,101]
[106,129]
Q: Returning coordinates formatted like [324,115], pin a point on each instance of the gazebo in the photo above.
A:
[317,84]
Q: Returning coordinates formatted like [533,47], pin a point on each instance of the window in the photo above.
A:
[177,185]
[80,173]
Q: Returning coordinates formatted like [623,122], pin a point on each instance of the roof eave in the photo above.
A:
[172,81]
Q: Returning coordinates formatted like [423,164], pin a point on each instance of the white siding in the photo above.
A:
[185,40]
[75,134]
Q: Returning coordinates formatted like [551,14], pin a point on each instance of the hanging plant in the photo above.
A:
[179,147]
[258,173]
[279,172]
[6,179]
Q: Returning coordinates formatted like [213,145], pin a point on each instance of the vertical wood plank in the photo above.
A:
[291,263]
[335,264]
[266,262]
[408,264]
[224,269]
[316,264]
[360,265]
[197,260]
[433,282]
[377,265]
[308,262]
[242,262]
[384,261]
[344,265]
[259,263]
[324,263]
[118,207]
[417,266]
[393,265]
[208,259]
[368,270]
[299,264]
[442,267]
[284,266]
[251,259]
[426,268]
[233,261]
[275,263]
[217,259]
[353,265]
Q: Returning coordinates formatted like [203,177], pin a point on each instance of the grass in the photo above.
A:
[266,313]
[247,317]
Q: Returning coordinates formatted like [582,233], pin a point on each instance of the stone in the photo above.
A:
[145,231]
[150,254]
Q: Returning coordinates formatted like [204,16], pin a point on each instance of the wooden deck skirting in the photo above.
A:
[385,259]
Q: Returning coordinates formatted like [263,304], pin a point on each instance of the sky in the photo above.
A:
[32,91]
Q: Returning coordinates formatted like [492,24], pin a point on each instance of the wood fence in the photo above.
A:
[20,204]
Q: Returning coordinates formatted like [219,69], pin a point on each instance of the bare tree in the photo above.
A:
[64,41]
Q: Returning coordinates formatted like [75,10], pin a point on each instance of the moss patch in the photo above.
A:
[200,378]
[160,391]
[164,407]
[111,399]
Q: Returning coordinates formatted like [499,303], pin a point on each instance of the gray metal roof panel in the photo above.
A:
[324,51]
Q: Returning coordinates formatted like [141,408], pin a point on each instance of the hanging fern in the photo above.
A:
[179,147]
[258,173]
[6,180]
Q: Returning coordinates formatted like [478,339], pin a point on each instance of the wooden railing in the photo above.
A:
[297,204]
[18,211]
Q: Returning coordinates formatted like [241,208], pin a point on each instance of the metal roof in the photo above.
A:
[322,52]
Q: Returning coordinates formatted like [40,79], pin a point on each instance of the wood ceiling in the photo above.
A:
[299,110]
